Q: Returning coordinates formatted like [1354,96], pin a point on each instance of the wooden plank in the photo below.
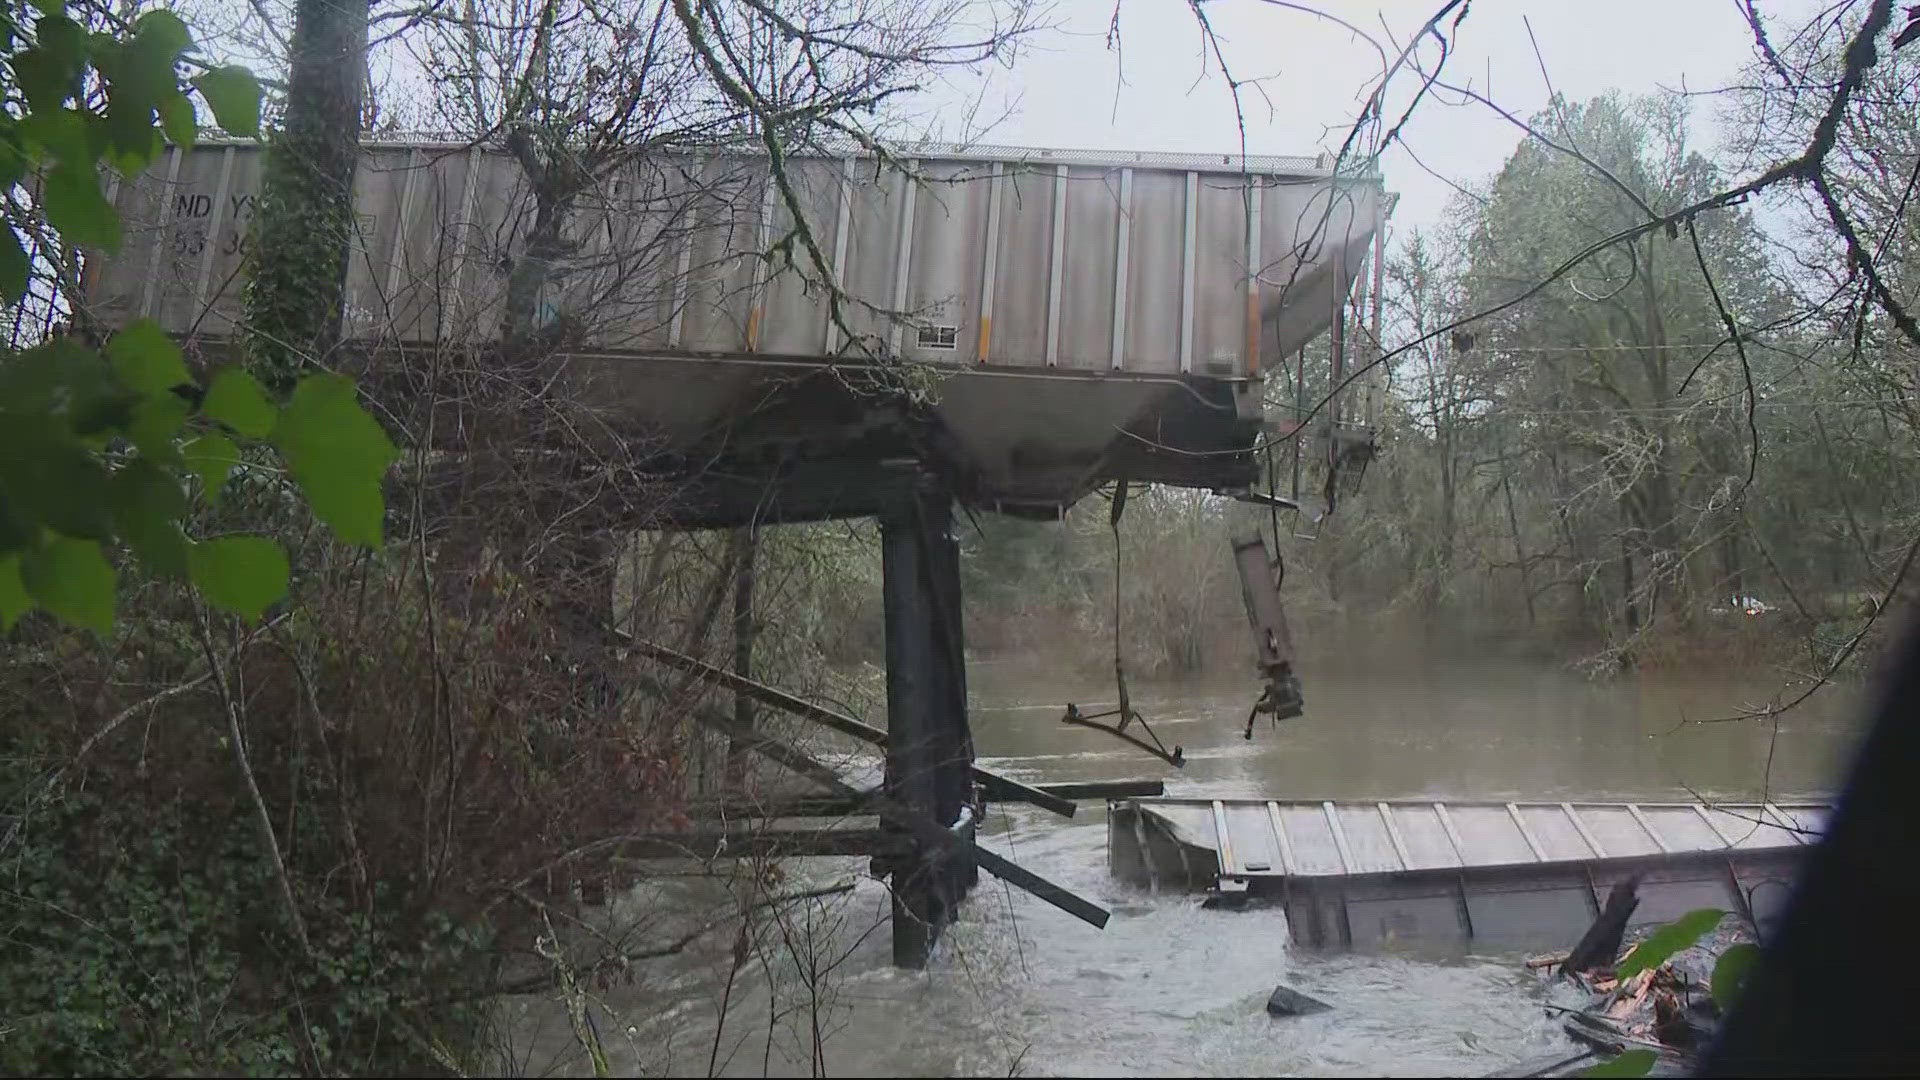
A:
[804,806]
[761,692]
[1223,840]
[1641,819]
[1007,789]
[996,785]
[1453,834]
[1015,874]
[1581,827]
[1339,838]
[1393,834]
[1280,841]
[1533,844]
[707,844]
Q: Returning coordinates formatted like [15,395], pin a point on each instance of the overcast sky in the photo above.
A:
[1158,92]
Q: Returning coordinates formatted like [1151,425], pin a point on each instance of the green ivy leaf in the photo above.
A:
[15,531]
[71,579]
[1658,947]
[147,507]
[164,33]
[146,359]
[1630,1063]
[13,266]
[52,479]
[1731,971]
[211,457]
[61,133]
[241,574]
[235,399]
[77,209]
[339,454]
[234,96]
[133,145]
[49,73]
[13,149]
[14,601]
[177,119]
[154,423]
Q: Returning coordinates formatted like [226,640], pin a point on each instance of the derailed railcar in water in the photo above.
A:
[1364,875]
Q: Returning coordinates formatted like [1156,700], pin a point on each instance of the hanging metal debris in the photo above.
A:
[1260,579]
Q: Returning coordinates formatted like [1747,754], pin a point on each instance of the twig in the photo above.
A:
[1739,348]
[262,819]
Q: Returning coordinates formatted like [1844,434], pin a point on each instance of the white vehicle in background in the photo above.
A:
[1742,605]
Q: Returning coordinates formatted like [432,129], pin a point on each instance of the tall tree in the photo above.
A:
[306,221]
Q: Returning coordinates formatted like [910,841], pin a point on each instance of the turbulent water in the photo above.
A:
[1169,988]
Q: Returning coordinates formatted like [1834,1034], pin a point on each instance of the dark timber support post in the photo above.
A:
[929,748]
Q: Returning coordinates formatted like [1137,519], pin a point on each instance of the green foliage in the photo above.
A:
[1658,947]
[235,399]
[91,452]
[243,574]
[1731,971]
[141,942]
[338,453]
[70,578]
[95,444]
[1630,1063]
[234,96]
[14,601]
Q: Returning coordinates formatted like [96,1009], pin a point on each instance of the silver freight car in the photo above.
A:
[1087,315]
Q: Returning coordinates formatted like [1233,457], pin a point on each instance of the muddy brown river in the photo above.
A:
[1169,988]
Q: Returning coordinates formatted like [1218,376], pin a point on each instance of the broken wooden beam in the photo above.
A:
[1005,788]
[796,806]
[997,786]
[705,844]
[1085,910]
[1107,789]
[831,806]
[759,691]
[931,835]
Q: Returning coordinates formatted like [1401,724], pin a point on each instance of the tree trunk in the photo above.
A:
[306,220]
[743,634]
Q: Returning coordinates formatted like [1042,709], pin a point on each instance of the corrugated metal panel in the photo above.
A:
[1329,839]
[1091,253]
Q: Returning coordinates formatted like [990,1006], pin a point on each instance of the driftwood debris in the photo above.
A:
[1601,943]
